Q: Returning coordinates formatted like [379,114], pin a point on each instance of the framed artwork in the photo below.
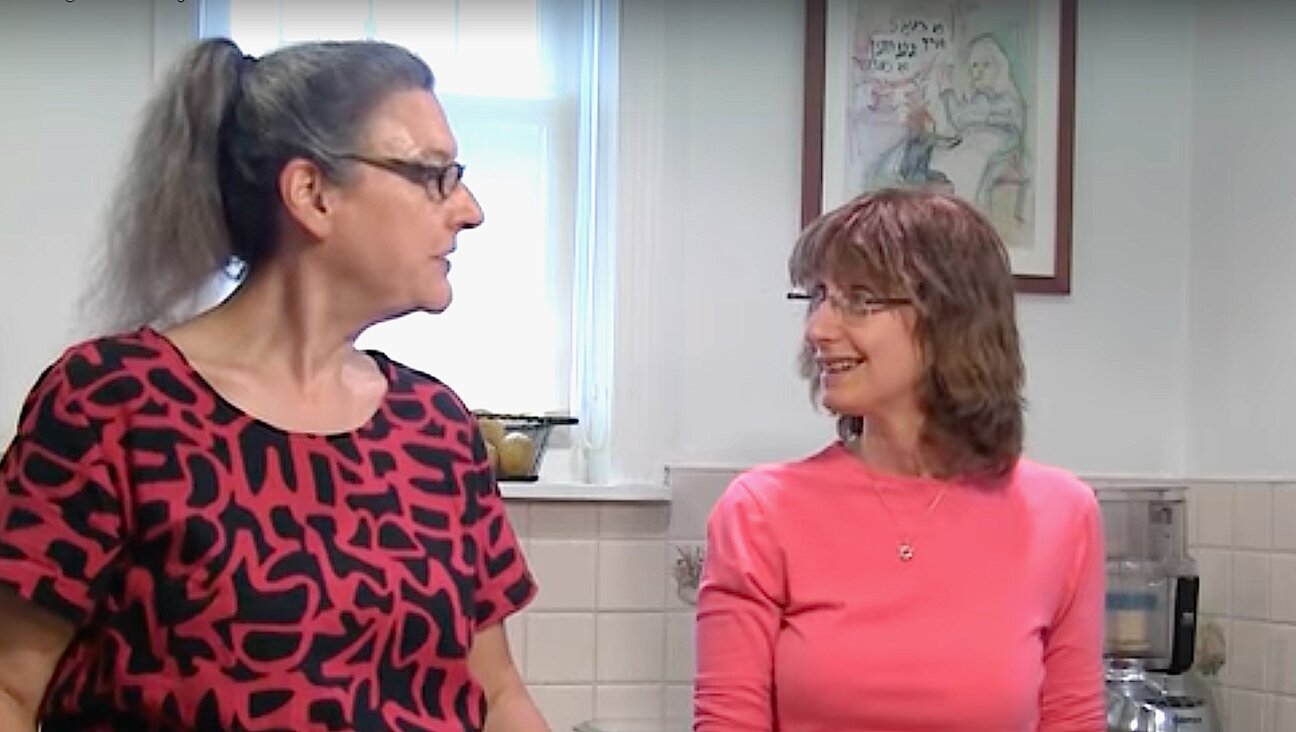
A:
[972,97]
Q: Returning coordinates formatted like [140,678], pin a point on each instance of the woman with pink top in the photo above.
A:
[918,574]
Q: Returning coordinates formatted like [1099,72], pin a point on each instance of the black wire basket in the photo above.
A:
[537,428]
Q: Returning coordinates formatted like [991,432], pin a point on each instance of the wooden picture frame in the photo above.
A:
[977,99]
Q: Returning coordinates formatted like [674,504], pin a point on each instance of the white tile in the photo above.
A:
[680,647]
[564,707]
[633,521]
[1248,711]
[1284,519]
[1215,519]
[515,629]
[629,701]
[1281,673]
[1215,567]
[1222,701]
[1215,696]
[519,514]
[1247,656]
[693,495]
[1284,714]
[1250,586]
[1271,716]
[630,575]
[1282,588]
[567,573]
[563,521]
[560,648]
[631,647]
[1253,516]
[679,704]
[1194,510]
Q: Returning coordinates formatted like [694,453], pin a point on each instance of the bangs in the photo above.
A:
[851,248]
[945,257]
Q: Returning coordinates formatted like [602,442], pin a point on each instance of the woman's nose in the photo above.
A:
[471,215]
[823,322]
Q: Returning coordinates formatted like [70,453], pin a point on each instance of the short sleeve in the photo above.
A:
[504,584]
[60,509]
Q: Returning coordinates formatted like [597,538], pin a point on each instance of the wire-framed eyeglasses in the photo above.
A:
[856,302]
[439,180]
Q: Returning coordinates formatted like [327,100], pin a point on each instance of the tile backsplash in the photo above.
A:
[611,636]
[1243,535]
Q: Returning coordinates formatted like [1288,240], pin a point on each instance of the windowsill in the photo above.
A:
[561,479]
[576,492]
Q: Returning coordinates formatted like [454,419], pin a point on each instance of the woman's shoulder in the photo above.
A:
[93,382]
[780,481]
[1041,476]
[123,346]
[1053,488]
[406,377]
[407,382]
[93,362]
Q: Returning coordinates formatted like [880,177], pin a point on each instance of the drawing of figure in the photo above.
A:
[908,162]
[988,117]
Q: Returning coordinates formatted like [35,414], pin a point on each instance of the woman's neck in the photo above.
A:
[894,446]
[286,326]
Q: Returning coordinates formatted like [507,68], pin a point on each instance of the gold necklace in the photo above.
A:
[905,549]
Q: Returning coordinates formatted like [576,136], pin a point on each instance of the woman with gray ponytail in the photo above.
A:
[233,519]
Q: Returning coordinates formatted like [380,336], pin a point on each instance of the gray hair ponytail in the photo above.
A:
[200,192]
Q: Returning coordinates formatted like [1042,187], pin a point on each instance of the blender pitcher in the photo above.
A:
[1151,611]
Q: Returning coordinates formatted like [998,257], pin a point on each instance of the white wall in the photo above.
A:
[72,76]
[711,340]
[734,129]
[1243,406]
[1107,373]
[1106,365]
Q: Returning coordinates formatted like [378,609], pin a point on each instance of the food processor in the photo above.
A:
[1151,620]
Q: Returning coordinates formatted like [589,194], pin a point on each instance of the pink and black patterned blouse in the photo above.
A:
[224,574]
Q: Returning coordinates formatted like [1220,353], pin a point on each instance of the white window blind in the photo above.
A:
[524,84]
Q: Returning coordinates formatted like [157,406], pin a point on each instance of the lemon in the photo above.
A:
[516,454]
[492,431]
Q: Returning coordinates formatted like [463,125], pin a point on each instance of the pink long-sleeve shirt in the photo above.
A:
[808,620]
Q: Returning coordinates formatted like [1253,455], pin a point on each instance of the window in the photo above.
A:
[522,82]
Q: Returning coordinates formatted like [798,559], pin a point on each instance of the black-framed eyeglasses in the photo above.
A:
[856,302]
[439,180]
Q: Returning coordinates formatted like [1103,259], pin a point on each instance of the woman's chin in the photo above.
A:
[846,405]
[438,301]
[842,407]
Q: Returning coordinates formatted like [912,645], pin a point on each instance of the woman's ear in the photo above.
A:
[306,196]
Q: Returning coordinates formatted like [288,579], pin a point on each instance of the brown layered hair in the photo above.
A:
[946,258]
